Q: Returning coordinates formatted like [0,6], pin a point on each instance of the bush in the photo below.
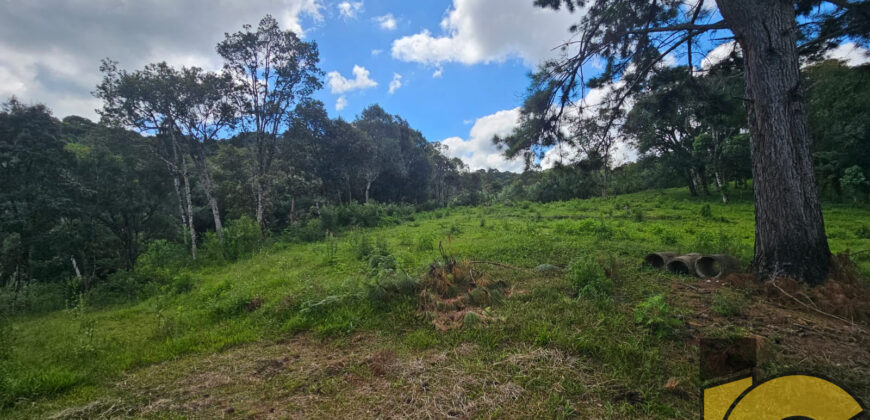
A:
[656,315]
[34,297]
[120,287]
[162,258]
[182,283]
[588,278]
[706,212]
[311,231]
[425,243]
[241,239]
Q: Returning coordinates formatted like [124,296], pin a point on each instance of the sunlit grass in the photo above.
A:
[65,356]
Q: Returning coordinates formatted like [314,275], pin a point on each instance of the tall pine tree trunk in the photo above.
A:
[789,229]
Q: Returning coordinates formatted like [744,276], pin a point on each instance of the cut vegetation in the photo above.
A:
[385,322]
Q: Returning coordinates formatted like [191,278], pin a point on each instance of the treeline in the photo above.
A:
[189,166]
[81,199]
[688,128]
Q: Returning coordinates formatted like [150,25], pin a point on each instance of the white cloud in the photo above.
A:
[340,84]
[483,31]
[386,21]
[850,52]
[478,151]
[718,54]
[438,72]
[561,153]
[396,83]
[340,103]
[377,52]
[349,10]
[50,51]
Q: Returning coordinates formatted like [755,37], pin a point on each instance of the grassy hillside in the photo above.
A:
[322,328]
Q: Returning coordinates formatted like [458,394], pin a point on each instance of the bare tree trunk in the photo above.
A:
[177,184]
[192,230]
[205,176]
[293,211]
[720,186]
[75,267]
[789,229]
[368,187]
[261,202]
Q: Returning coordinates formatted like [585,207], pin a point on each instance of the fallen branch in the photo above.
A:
[813,308]
[500,265]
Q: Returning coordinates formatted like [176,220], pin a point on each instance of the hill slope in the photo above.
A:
[339,327]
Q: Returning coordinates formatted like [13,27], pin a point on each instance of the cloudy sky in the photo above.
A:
[456,70]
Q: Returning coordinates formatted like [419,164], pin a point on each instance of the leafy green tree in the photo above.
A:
[147,101]
[634,36]
[34,193]
[120,188]
[274,70]
[664,121]
[839,120]
[383,153]
[206,110]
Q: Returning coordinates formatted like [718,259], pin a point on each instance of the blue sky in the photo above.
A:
[440,107]
[455,69]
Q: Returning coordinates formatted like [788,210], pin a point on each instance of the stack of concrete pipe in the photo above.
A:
[707,266]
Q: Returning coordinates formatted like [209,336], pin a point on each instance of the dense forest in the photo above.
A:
[191,164]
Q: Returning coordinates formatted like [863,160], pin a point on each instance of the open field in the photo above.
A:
[304,329]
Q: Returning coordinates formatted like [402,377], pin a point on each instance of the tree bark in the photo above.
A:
[720,186]
[293,211]
[205,175]
[186,180]
[261,202]
[789,229]
[176,182]
[207,186]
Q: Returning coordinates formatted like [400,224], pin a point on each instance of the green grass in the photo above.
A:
[68,358]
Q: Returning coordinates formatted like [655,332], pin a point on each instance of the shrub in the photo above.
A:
[706,212]
[362,246]
[425,242]
[34,297]
[311,231]
[588,278]
[656,315]
[161,258]
[120,287]
[241,238]
[182,283]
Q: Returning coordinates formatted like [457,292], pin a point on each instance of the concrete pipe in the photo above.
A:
[716,266]
[659,259]
[684,264]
